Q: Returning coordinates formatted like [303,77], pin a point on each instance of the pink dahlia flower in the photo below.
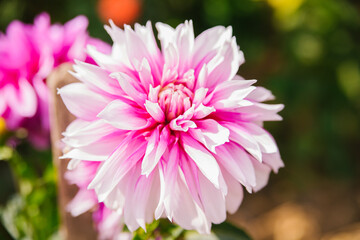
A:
[179,134]
[28,53]
[108,222]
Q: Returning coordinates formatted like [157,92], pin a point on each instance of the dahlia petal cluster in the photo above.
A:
[28,53]
[177,132]
[108,223]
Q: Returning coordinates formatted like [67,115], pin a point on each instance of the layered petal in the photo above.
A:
[96,78]
[186,131]
[28,54]
[204,160]
[82,102]
[210,133]
[123,116]
[21,99]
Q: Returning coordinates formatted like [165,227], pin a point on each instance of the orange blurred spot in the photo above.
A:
[120,11]
[2,125]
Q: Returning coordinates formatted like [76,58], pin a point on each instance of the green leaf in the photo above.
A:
[223,231]
[228,231]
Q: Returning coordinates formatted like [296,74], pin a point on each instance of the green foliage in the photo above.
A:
[160,228]
[227,231]
[318,80]
[167,231]
[31,213]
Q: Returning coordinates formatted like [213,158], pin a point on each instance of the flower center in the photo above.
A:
[175,100]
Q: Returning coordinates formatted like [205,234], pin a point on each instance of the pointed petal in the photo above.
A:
[185,44]
[123,116]
[202,111]
[264,139]
[235,193]
[96,78]
[203,159]
[262,173]
[168,183]
[231,95]
[157,146]
[82,102]
[155,111]
[115,168]
[186,212]
[23,100]
[137,50]
[166,34]
[80,133]
[141,197]
[273,160]
[145,75]
[209,41]
[202,77]
[227,61]
[239,135]
[106,61]
[210,133]
[213,201]
[146,33]
[191,176]
[96,151]
[131,87]
[261,94]
[262,112]
[83,201]
[237,163]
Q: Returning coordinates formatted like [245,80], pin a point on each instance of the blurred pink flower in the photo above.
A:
[28,53]
[179,134]
[108,222]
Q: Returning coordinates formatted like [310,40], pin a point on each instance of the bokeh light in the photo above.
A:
[120,11]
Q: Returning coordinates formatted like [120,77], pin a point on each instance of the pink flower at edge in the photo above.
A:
[178,133]
[28,53]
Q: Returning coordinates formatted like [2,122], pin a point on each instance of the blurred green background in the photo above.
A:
[306,51]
